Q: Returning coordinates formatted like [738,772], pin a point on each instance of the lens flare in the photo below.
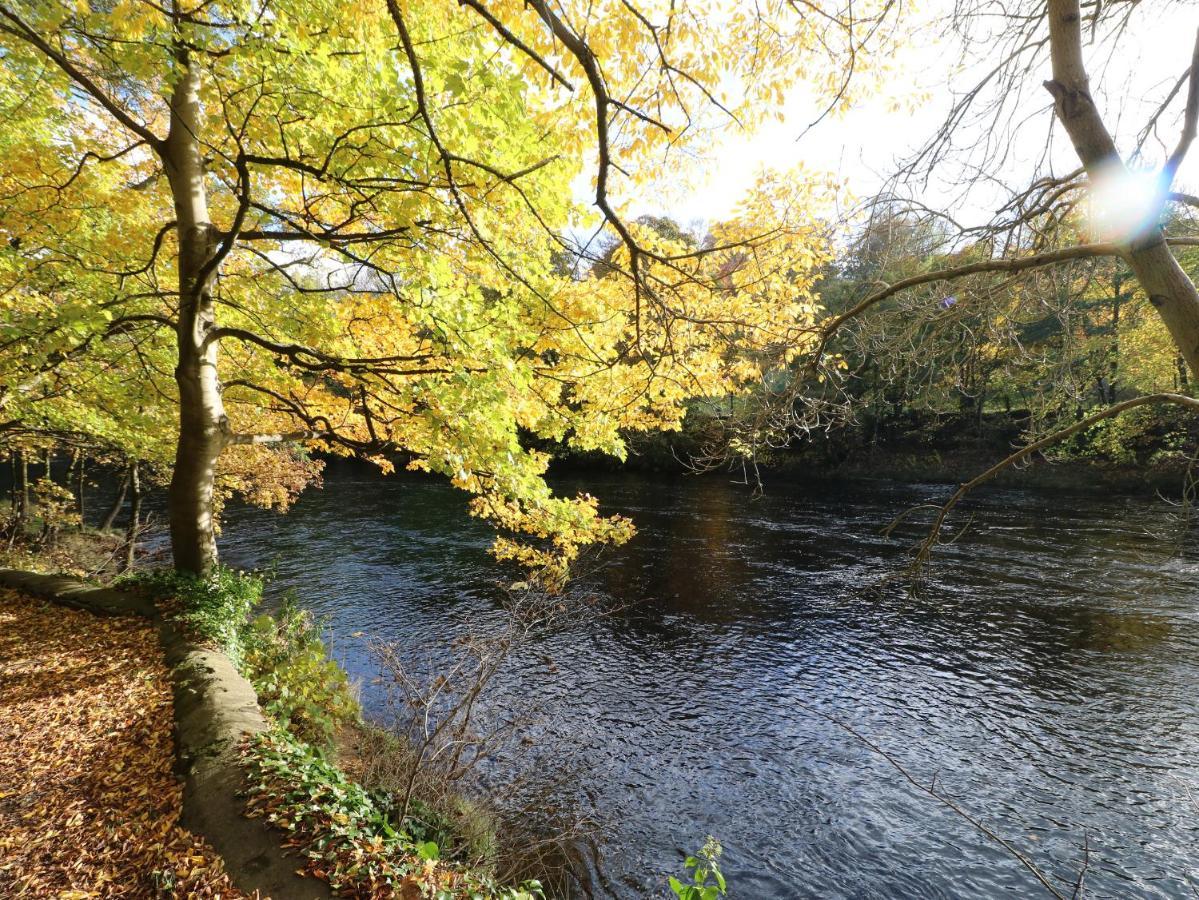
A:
[1125,204]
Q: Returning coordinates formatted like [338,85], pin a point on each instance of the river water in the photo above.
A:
[1047,677]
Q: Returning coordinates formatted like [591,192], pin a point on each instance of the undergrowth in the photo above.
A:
[282,655]
[215,607]
[353,832]
[297,682]
[350,836]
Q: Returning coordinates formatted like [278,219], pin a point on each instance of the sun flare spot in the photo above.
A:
[1124,204]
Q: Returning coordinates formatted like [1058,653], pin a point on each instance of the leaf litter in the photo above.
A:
[89,804]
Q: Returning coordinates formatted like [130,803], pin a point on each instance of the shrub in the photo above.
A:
[216,606]
[55,506]
[297,683]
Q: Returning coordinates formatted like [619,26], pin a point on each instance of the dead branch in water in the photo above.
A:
[948,802]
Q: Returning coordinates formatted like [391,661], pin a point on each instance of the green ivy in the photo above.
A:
[215,607]
[348,834]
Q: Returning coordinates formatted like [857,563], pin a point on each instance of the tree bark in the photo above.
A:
[113,511]
[80,472]
[1169,289]
[135,515]
[201,411]
[1172,294]
[23,487]
[1113,363]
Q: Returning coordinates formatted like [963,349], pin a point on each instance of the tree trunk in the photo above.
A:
[79,478]
[1113,363]
[113,511]
[1172,294]
[23,487]
[201,412]
[135,515]
[1169,289]
[20,496]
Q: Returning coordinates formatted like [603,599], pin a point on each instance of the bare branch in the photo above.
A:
[1190,121]
[926,547]
[932,791]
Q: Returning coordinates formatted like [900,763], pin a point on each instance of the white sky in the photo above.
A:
[864,144]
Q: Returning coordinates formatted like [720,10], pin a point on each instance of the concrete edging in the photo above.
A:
[215,710]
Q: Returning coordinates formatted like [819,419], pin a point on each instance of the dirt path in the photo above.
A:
[89,806]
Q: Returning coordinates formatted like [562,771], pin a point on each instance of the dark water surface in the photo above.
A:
[1048,679]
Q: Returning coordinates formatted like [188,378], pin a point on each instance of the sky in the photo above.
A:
[863,145]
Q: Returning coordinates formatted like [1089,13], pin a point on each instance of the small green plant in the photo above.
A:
[707,881]
[215,606]
[285,658]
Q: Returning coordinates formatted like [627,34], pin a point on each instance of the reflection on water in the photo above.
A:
[1049,679]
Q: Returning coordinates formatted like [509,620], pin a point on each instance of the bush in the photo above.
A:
[283,656]
[297,683]
[215,607]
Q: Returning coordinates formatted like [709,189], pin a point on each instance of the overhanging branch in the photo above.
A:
[934,535]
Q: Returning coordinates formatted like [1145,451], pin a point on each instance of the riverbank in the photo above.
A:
[939,448]
[153,681]
[90,804]
[686,704]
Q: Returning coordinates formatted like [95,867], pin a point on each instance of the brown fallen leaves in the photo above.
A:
[89,806]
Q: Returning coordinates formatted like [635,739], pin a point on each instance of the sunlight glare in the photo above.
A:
[1124,204]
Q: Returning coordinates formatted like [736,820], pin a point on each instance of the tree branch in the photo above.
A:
[516,42]
[1018,264]
[318,361]
[289,437]
[24,32]
[1190,121]
[934,535]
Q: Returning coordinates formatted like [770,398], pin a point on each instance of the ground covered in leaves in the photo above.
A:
[89,806]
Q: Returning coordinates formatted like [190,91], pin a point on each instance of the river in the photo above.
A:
[1047,677]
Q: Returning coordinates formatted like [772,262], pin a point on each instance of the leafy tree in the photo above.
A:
[341,224]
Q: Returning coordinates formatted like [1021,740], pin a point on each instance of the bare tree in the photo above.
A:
[446,733]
